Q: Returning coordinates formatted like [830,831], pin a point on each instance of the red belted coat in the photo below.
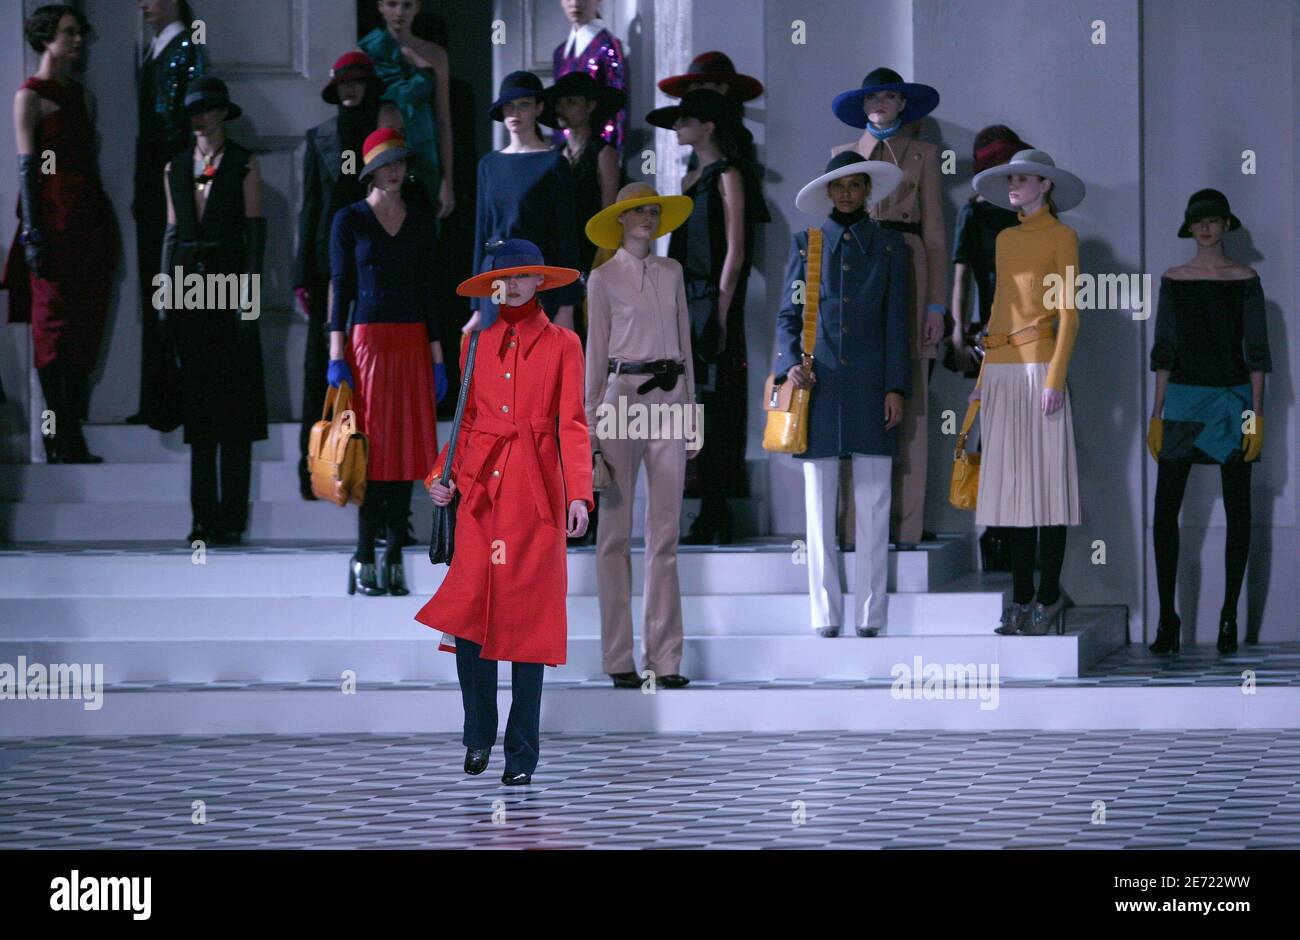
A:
[523,455]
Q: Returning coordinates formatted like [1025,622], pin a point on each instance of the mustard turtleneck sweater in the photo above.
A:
[1026,253]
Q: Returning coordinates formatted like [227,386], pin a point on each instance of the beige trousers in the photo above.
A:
[665,466]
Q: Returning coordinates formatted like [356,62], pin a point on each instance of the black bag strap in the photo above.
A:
[460,406]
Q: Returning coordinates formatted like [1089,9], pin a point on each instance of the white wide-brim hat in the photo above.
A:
[884,176]
[1067,189]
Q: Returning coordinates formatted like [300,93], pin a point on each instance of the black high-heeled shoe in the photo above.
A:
[1227,635]
[365,577]
[395,578]
[1167,635]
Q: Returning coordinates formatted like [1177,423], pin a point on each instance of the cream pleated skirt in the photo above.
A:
[1028,472]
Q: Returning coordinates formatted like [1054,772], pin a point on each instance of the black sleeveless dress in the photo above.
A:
[222,389]
[700,246]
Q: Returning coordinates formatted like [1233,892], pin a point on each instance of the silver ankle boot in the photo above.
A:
[1014,619]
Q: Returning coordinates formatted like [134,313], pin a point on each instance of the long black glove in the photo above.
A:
[35,247]
[166,316]
[254,255]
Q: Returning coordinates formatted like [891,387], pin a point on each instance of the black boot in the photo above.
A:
[76,403]
[1227,635]
[1167,635]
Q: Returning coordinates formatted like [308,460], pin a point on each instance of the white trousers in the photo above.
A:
[871,489]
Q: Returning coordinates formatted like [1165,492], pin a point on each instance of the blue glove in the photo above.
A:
[339,372]
[440,380]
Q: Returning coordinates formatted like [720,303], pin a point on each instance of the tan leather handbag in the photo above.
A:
[337,454]
[786,431]
[964,488]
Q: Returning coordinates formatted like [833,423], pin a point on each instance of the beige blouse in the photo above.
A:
[636,309]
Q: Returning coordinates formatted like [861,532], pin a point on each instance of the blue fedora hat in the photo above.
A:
[921,99]
[514,86]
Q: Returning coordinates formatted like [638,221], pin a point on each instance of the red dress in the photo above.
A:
[523,455]
[67,312]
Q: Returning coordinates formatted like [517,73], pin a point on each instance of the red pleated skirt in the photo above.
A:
[394,398]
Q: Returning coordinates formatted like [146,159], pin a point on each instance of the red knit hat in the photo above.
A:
[350,67]
[381,148]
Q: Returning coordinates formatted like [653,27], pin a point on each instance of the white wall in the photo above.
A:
[1196,126]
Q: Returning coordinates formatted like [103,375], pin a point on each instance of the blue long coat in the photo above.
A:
[861,350]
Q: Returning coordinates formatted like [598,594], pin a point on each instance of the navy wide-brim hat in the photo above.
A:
[921,99]
[514,86]
[1205,204]
[573,84]
[207,93]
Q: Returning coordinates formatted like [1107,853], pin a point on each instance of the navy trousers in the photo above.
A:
[478,690]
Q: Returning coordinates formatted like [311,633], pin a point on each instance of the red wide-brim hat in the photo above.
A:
[713,67]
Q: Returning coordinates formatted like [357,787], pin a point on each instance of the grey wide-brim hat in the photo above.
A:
[1067,189]
[885,178]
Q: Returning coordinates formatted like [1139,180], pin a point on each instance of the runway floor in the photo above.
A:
[1031,789]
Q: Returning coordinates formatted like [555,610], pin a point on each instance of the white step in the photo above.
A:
[604,710]
[411,655]
[769,566]
[218,615]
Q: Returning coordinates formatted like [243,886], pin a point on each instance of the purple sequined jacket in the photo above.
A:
[603,61]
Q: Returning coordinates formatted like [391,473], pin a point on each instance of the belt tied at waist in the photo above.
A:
[1218,409]
[664,372]
[913,228]
[508,430]
[1020,337]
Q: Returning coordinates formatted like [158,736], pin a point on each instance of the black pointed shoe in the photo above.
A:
[516,780]
[1227,635]
[476,761]
[672,681]
[1167,635]
[626,680]
[828,631]
[867,631]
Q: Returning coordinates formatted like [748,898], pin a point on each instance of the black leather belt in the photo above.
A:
[664,372]
[912,227]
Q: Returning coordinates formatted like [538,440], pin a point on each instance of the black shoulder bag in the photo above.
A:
[444,517]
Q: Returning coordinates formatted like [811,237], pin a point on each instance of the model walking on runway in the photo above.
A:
[523,471]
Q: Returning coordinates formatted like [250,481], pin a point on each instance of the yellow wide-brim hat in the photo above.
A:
[605,231]
[516,256]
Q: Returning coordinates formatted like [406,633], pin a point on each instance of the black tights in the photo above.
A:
[229,510]
[67,394]
[1024,542]
[387,506]
[1171,483]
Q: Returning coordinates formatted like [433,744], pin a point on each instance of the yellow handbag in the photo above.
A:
[337,454]
[786,431]
[965,485]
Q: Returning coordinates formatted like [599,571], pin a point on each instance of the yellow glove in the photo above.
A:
[1252,444]
[1155,437]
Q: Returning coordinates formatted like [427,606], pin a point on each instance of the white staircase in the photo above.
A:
[260,637]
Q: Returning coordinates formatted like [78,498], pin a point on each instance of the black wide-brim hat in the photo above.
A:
[514,86]
[703,104]
[921,99]
[713,67]
[608,100]
[1205,204]
[207,93]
